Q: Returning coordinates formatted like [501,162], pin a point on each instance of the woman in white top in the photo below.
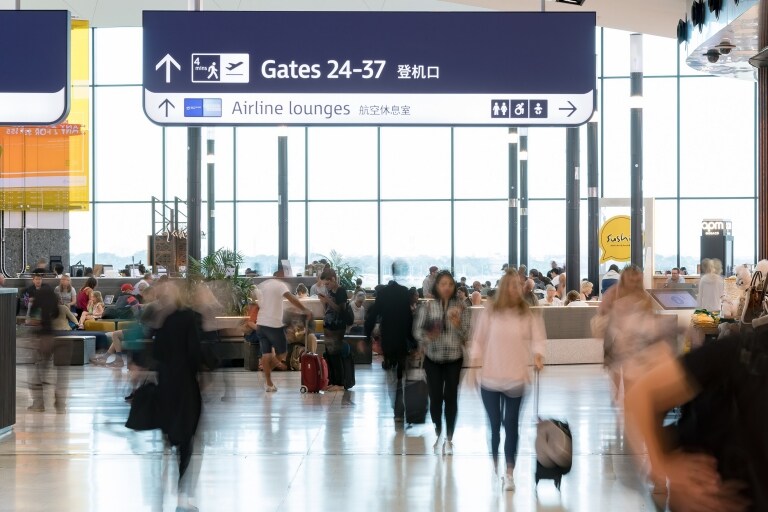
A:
[711,285]
[358,311]
[507,335]
[551,298]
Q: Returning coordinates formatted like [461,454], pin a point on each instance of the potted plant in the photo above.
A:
[221,271]
[345,272]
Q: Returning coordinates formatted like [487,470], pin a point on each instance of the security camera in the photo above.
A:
[712,56]
[725,47]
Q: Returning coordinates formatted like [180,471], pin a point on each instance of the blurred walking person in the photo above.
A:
[711,285]
[442,328]
[631,331]
[392,309]
[719,460]
[178,355]
[507,336]
[43,311]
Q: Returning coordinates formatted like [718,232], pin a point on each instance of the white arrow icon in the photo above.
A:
[167,61]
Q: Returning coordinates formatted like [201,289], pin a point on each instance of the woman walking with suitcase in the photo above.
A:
[507,335]
[442,329]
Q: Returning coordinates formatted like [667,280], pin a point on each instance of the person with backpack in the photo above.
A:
[507,336]
[442,328]
[334,298]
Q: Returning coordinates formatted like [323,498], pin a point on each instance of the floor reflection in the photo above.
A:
[292,452]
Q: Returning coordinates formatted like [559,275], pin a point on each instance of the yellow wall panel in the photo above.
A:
[47,168]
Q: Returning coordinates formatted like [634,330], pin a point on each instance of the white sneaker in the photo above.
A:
[448,447]
[270,389]
[436,446]
[508,483]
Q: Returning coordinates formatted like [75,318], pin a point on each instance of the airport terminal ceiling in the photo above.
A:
[655,17]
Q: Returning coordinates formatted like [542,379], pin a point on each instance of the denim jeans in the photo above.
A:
[504,409]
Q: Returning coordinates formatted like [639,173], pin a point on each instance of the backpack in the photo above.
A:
[294,361]
[348,315]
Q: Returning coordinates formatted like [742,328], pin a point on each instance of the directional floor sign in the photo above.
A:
[34,67]
[369,68]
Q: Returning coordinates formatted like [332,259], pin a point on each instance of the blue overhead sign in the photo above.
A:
[378,68]
[34,67]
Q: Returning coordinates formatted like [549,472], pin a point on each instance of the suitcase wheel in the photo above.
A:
[303,389]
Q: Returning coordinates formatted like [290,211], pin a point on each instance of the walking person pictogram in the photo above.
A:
[212,71]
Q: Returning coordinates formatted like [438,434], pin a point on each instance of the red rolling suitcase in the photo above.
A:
[314,373]
[314,369]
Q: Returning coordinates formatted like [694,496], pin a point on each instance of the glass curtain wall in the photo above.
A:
[424,195]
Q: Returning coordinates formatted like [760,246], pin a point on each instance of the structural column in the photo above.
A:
[523,132]
[762,139]
[513,208]
[636,145]
[193,193]
[572,209]
[282,197]
[593,207]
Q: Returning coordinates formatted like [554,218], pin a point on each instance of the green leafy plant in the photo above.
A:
[221,271]
[346,272]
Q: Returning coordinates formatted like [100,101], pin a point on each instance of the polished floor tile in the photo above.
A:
[291,452]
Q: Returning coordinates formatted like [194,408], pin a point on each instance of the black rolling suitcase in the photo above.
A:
[415,393]
[554,444]
[341,367]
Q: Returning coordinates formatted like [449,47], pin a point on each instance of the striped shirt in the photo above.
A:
[449,344]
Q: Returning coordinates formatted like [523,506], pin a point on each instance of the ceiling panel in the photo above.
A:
[658,17]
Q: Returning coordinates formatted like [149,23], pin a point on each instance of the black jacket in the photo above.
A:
[393,311]
[177,351]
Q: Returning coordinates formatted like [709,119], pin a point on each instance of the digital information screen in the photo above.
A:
[674,298]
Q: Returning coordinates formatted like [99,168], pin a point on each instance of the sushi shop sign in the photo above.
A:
[615,240]
[716,227]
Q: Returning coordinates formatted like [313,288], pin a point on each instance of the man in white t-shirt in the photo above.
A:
[270,332]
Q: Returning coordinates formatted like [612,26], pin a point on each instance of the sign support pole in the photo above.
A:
[211,151]
[636,145]
[282,197]
[523,196]
[512,195]
[572,210]
[593,208]
[194,172]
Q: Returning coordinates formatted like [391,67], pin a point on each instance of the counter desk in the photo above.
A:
[7,359]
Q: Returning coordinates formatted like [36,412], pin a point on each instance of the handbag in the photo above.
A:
[144,408]
[754,299]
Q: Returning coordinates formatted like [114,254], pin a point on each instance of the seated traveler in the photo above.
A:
[95,308]
[551,299]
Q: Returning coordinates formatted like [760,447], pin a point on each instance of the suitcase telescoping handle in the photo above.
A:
[536,391]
